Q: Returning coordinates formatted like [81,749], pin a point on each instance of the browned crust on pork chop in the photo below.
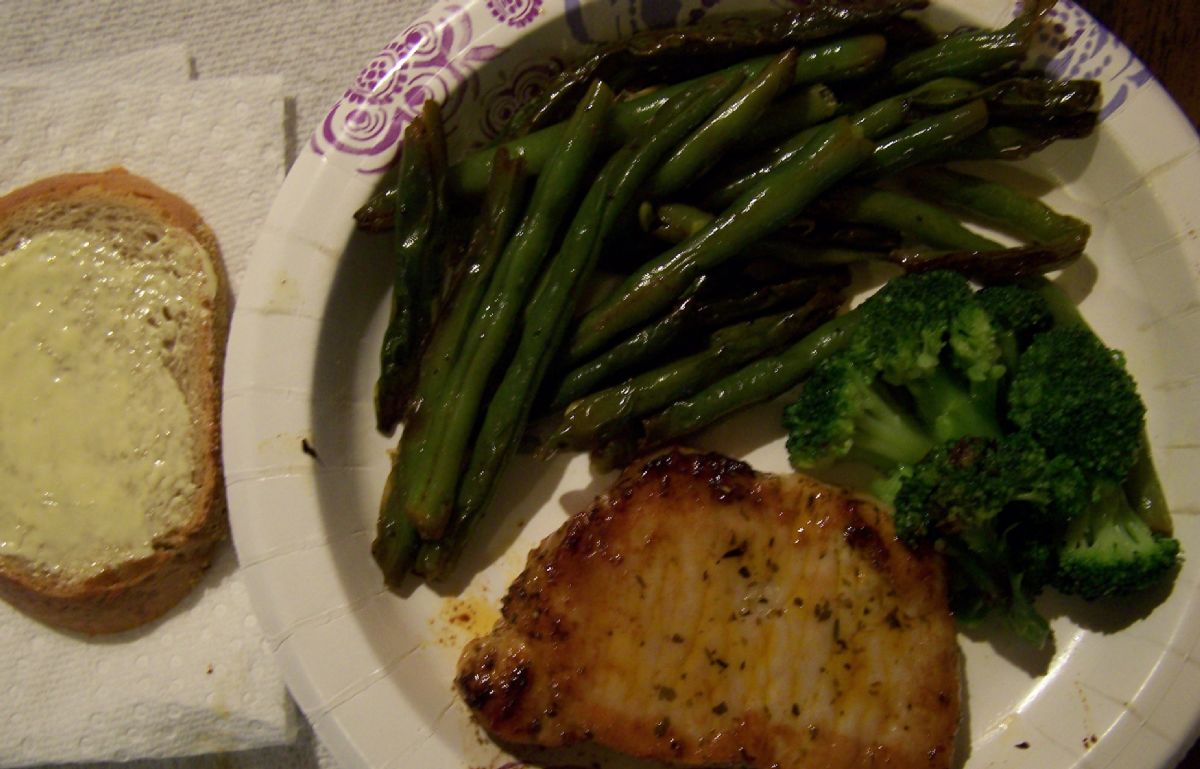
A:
[705,614]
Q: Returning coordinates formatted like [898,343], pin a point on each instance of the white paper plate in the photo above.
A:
[305,467]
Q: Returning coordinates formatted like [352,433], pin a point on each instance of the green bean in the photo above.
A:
[1007,142]
[792,113]
[545,319]
[874,121]
[676,222]
[971,53]
[756,382]
[710,303]
[553,196]
[419,215]
[1057,240]
[730,122]
[595,418]
[396,539]
[997,204]
[926,139]
[926,223]
[378,214]
[823,231]
[836,151]
[643,346]
[659,50]
[823,63]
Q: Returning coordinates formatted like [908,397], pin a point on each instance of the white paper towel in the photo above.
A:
[159,66]
[200,680]
[317,46]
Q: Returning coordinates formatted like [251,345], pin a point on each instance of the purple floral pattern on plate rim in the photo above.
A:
[514,13]
[440,56]
[433,58]
[1075,45]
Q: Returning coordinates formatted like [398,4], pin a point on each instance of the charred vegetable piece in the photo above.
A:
[656,55]
[419,237]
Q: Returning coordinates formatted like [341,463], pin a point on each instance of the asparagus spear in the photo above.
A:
[396,539]
[545,319]
[428,506]
[419,233]
[684,48]
[971,53]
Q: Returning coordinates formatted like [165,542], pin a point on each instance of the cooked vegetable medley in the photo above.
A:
[671,232]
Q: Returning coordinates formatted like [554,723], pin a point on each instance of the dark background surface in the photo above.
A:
[1165,34]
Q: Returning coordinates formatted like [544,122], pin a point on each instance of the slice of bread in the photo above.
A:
[99,587]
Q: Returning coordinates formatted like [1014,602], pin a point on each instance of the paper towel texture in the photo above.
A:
[217,143]
[164,65]
[317,46]
[200,680]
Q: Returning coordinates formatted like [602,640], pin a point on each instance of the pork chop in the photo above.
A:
[701,613]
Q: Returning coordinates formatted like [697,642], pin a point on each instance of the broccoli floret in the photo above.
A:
[927,333]
[1074,396]
[844,412]
[1018,314]
[997,507]
[1111,551]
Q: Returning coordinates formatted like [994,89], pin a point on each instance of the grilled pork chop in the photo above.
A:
[701,613]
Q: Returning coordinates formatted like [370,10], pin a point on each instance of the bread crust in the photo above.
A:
[126,595]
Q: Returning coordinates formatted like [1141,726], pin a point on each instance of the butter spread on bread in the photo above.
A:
[111,339]
[95,434]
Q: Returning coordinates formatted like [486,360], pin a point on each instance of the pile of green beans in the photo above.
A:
[655,262]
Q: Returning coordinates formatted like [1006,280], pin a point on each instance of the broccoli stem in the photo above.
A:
[1111,551]
[949,409]
[887,438]
[1022,617]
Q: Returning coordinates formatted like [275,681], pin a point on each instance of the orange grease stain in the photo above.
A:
[461,618]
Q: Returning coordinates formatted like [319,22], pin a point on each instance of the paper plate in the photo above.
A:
[305,466]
